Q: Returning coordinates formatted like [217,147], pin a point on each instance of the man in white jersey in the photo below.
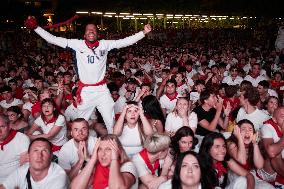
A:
[91,56]
[13,147]
[40,172]
[76,152]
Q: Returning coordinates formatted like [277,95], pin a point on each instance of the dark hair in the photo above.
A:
[245,85]
[17,110]
[139,73]
[264,84]
[152,107]
[211,178]
[189,62]
[50,101]
[6,89]
[204,95]
[252,95]
[146,85]
[181,132]
[234,139]
[231,90]
[79,120]
[42,140]
[172,81]
[112,87]
[176,182]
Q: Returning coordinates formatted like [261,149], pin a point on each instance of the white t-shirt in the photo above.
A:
[61,137]
[131,140]
[141,166]
[15,102]
[10,155]
[55,179]
[129,167]
[168,104]
[174,122]
[257,117]
[254,81]
[230,81]
[68,154]
[268,131]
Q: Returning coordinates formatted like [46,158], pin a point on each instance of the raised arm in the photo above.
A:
[31,23]
[128,40]
[118,127]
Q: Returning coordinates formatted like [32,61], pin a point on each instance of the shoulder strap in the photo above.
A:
[28,176]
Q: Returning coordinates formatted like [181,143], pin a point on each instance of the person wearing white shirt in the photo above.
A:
[248,101]
[254,77]
[131,127]
[13,147]
[9,100]
[148,161]
[76,152]
[51,125]
[40,172]
[91,58]
[272,136]
[233,78]
[169,99]
[181,117]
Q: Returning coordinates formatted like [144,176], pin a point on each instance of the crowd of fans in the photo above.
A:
[193,109]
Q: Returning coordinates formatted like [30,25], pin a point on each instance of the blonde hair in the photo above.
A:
[123,156]
[157,142]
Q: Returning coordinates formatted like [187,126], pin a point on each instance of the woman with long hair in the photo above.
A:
[108,167]
[183,141]
[187,173]
[181,116]
[243,148]
[16,119]
[154,113]
[50,124]
[131,128]
[217,163]
[271,104]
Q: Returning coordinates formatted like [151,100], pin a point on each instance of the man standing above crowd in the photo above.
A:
[91,56]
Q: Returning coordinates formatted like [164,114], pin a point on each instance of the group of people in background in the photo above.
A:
[172,110]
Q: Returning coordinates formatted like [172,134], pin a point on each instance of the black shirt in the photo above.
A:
[208,116]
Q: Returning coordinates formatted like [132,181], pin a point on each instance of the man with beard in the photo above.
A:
[76,152]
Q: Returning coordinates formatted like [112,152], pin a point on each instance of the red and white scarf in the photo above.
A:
[8,139]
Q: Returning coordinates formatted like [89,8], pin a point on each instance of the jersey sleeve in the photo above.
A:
[112,44]
[59,41]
